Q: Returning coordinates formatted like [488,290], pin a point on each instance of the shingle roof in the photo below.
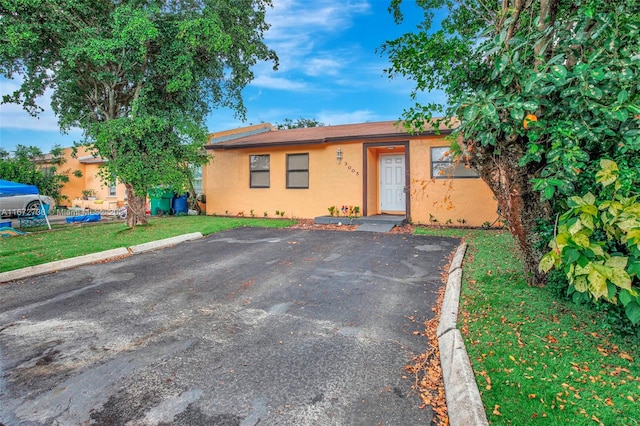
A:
[318,135]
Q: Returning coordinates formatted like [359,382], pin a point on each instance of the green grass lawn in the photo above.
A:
[66,241]
[538,359]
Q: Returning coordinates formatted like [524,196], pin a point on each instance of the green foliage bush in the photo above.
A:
[614,316]
[616,319]
[597,242]
[558,284]
[542,91]
[25,166]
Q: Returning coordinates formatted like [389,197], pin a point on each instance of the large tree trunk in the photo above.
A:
[520,206]
[136,210]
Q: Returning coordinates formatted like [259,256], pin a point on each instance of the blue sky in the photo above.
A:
[329,70]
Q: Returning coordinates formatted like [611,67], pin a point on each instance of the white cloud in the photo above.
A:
[14,117]
[349,117]
[269,82]
[323,66]
[298,29]
[291,17]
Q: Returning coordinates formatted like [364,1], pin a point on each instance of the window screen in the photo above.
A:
[443,165]
[297,170]
[259,171]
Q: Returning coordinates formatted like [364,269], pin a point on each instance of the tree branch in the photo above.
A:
[548,12]
[516,18]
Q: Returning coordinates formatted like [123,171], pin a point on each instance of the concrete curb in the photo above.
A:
[153,245]
[449,311]
[58,265]
[458,257]
[463,397]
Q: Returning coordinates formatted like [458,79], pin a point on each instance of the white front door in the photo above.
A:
[392,184]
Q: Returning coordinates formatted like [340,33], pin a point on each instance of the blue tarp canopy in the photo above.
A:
[13,188]
[8,188]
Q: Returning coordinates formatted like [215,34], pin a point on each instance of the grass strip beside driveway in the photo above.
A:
[69,241]
[539,359]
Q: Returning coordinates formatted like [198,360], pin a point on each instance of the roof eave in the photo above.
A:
[374,137]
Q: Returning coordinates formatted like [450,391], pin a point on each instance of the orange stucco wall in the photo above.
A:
[89,180]
[337,183]
[73,188]
[449,201]
[331,183]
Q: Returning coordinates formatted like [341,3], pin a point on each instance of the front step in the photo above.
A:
[375,227]
[377,223]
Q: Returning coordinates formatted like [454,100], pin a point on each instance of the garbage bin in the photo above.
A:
[160,201]
[179,205]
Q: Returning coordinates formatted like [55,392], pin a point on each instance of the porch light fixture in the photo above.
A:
[339,154]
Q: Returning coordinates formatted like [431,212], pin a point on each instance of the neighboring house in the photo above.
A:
[107,196]
[378,167]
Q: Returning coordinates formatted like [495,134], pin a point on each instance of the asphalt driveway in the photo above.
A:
[244,327]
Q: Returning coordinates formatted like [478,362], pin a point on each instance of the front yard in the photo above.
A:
[67,241]
[537,358]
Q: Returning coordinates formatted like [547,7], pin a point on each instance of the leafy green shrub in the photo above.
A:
[614,316]
[558,284]
[26,166]
[616,319]
[597,243]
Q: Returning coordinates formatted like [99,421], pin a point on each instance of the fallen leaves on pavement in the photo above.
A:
[427,370]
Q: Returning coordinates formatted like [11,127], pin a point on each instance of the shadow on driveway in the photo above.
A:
[248,326]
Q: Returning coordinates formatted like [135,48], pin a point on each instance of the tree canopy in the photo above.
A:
[139,77]
[30,166]
[299,123]
[547,94]
[541,89]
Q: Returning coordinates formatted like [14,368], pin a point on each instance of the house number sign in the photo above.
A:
[351,169]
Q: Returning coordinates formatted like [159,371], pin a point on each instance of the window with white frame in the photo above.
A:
[298,171]
[197,179]
[259,171]
[112,187]
[444,166]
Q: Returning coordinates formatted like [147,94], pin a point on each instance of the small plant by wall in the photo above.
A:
[350,211]
[88,194]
